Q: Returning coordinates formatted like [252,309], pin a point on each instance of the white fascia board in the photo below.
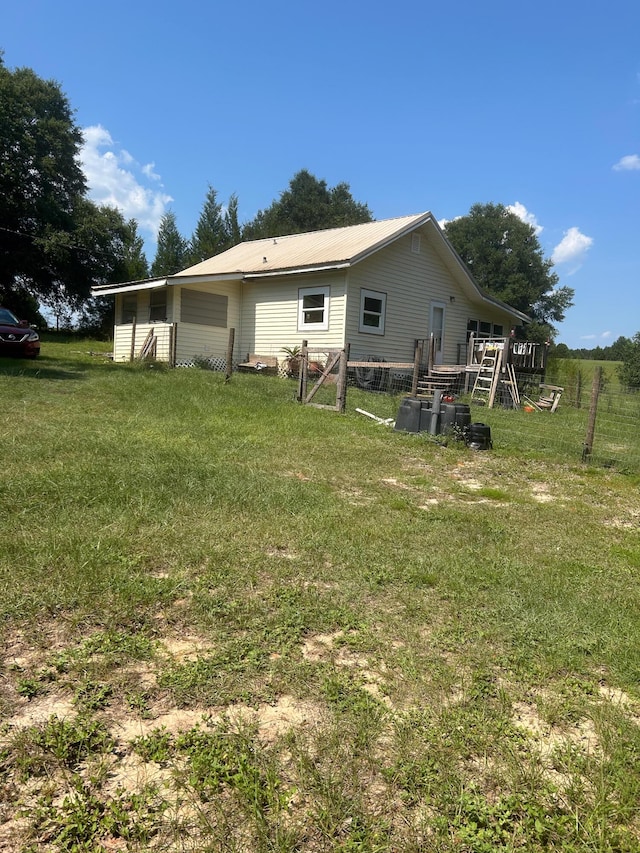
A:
[297,271]
[203,278]
[128,287]
[133,286]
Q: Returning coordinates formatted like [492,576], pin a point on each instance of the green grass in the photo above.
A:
[448,641]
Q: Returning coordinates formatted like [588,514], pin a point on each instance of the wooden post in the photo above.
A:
[341,391]
[418,353]
[132,353]
[593,410]
[304,370]
[173,340]
[229,361]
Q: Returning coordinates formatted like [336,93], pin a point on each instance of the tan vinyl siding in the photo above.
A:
[204,340]
[270,313]
[412,281]
[205,309]
[122,340]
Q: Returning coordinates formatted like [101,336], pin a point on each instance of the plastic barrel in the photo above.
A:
[479,437]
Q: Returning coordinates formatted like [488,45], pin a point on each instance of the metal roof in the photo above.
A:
[333,247]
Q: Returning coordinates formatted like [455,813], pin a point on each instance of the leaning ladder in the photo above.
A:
[486,384]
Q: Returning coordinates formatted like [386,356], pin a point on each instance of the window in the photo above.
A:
[372,311]
[206,309]
[129,307]
[472,326]
[485,329]
[498,331]
[158,304]
[313,308]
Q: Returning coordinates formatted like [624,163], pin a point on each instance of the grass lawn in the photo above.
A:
[233,623]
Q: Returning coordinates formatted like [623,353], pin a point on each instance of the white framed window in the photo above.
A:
[313,309]
[372,311]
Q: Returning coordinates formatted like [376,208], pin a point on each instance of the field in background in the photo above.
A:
[230,622]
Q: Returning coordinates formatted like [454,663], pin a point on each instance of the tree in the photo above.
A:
[307,205]
[210,236]
[172,254]
[629,370]
[41,184]
[55,244]
[505,257]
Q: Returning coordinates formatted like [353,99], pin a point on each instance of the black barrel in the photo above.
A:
[479,437]
[414,415]
[455,417]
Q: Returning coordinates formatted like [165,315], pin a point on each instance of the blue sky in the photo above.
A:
[418,106]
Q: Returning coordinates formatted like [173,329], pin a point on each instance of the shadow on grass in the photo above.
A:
[41,368]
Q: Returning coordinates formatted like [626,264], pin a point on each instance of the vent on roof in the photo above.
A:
[415,243]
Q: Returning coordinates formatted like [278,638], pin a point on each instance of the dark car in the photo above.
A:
[17,337]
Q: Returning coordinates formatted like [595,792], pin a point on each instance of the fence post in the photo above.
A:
[417,362]
[593,409]
[229,362]
[132,353]
[304,369]
[341,391]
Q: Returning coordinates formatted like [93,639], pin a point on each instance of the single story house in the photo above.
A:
[378,287]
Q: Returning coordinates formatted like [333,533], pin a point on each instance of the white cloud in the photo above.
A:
[629,163]
[522,213]
[114,178]
[572,249]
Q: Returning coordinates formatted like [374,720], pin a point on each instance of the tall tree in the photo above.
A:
[41,185]
[172,254]
[217,228]
[307,205]
[231,223]
[505,257]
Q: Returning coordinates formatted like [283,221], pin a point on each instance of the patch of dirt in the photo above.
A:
[39,709]
[548,737]
[282,551]
[188,647]
[319,646]
[621,700]
[540,493]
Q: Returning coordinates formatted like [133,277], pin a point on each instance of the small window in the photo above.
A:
[313,308]
[498,330]
[472,328]
[485,329]
[158,305]
[372,311]
[129,307]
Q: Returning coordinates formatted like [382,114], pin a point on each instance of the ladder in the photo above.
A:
[486,384]
[511,384]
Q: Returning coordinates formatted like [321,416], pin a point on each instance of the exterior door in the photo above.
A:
[436,328]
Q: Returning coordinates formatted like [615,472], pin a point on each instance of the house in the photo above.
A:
[378,286]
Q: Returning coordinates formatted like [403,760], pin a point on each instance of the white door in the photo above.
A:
[436,330]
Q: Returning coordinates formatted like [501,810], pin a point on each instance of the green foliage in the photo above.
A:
[629,372]
[172,254]
[57,744]
[216,230]
[54,243]
[505,257]
[307,205]
[84,819]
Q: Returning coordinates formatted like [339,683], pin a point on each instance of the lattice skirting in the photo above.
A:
[217,364]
